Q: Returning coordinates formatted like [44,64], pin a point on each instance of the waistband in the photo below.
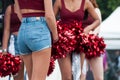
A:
[33,14]
[33,19]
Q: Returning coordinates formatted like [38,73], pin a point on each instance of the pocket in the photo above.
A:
[39,36]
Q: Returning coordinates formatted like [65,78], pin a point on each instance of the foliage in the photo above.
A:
[107,7]
[0,4]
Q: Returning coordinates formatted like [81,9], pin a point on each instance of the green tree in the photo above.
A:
[107,7]
[0,4]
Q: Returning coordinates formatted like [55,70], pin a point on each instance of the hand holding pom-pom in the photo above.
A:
[9,64]
[67,32]
[91,45]
[96,46]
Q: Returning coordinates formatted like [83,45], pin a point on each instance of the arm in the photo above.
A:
[56,7]
[6,32]
[50,18]
[17,10]
[97,30]
[97,10]
[89,7]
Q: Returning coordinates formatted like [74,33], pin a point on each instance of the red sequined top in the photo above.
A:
[67,15]
[32,4]
[14,21]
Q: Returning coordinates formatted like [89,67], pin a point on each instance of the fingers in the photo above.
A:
[54,41]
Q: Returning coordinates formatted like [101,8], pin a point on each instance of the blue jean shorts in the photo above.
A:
[13,45]
[34,35]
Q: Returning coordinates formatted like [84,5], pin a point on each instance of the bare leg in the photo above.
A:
[66,68]
[28,63]
[83,75]
[41,60]
[96,65]
[82,57]
[20,75]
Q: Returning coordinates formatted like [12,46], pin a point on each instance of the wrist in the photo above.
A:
[4,50]
[90,28]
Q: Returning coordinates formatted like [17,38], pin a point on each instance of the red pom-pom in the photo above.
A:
[82,43]
[72,38]
[96,46]
[9,64]
[91,45]
[67,33]
[51,67]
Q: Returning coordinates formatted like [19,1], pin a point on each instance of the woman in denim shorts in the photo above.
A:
[34,37]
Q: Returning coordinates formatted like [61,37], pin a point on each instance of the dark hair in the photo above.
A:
[94,3]
[6,3]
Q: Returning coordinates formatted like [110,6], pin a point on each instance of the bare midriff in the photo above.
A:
[24,11]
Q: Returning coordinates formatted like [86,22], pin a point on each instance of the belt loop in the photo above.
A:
[26,20]
[37,18]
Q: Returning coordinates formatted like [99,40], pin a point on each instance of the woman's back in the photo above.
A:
[32,8]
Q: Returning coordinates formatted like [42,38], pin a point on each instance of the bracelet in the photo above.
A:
[4,50]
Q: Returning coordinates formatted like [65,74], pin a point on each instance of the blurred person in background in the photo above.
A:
[96,64]
[113,72]
[12,22]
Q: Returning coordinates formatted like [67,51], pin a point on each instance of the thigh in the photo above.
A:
[82,57]
[27,59]
[85,67]
[65,66]
[84,70]
[96,65]
[41,60]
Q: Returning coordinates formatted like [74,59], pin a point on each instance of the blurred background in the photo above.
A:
[110,31]
[0,22]
[110,10]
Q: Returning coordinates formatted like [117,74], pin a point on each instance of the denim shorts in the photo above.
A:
[34,35]
[13,45]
